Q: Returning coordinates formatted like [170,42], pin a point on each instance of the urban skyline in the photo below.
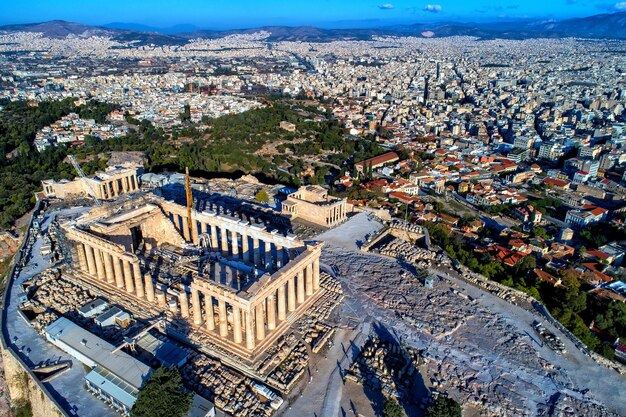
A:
[365,216]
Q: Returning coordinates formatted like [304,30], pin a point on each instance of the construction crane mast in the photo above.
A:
[189,200]
[82,175]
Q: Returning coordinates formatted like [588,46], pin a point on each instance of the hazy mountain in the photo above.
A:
[599,26]
[136,27]
[293,33]
[59,29]
[612,25]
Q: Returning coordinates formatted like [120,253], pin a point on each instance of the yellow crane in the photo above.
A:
[189,200]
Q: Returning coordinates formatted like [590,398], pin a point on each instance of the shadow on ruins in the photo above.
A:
[386,368]
[226,204]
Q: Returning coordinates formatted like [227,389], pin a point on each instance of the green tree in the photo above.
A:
[162,396]
[23,408]
[391,408]
[262,197]
[607,351]
[444,407]
[185,116]
[541,232]
[526,264]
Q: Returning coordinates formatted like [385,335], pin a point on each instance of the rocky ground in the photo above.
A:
[484,357]
[479,348]
[5,403]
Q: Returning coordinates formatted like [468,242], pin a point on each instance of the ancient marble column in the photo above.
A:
[149,286]
[271,312]
[237,336]
[300,287]
[309,279]
[291,294]
[208,310]
[223,319]
[213,237]
[108,268]
[82,258]
[267,257]
[185,227]
[234,244]
[194,231]
[255,252]
[282,310]
[244,248]
[260,322]
[119,274]
[316,274]
[224,236]
[250,342]
[116,188]
[197,309]
[99,265]
[279,256]
[183,300]
[128,277]
[138,279]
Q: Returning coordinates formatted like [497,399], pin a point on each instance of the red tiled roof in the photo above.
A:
[593,267]
[555,182]
[598,211]
[380,159]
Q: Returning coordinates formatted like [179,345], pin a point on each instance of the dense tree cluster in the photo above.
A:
[162,396]
[226,144]
[458,248]
[391,408]
[568,303]
[444,407]
[594,236]
[571,305]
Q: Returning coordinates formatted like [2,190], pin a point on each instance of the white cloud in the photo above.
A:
[433,8]
[386,6]
[621,5]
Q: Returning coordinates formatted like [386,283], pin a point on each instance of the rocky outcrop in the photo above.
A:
[24,387]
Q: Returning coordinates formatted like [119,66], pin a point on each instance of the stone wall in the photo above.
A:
[23,385]
[21,382]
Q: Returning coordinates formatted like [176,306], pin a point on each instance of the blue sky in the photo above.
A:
[327,13]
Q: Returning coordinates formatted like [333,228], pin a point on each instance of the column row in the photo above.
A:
[234,244]
[231,321]
[115,269]
[336,214]
[216,314]
[112,188]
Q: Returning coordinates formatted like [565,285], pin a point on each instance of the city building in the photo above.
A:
[376,162]
[115,376]
[580,218]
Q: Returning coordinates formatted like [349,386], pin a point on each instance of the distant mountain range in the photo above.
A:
[602,26]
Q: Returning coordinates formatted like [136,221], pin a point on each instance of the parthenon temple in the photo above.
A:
[238,282]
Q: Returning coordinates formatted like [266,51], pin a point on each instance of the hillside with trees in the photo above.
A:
[230,144]
[22,168]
